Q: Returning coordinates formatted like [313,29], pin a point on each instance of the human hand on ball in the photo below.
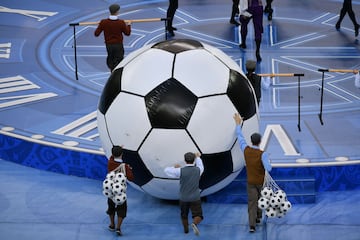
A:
[238,119]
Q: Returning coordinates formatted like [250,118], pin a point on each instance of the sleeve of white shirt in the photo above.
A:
[199,164]
[357,80]
[172,172]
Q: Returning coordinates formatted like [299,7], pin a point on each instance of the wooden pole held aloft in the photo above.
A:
[280,74]
[127,21]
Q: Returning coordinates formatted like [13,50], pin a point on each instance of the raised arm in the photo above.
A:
[241,139]
[199,163]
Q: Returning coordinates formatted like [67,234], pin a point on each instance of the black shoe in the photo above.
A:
[243,46]
[111,228]
[270,13]
[171,28]
[357,30]
[252,229]
[258,220]
[171,33]
[337,26]
[118,232]
[232,21]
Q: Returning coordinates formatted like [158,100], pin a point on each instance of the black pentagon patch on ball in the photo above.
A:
[241,94]
[142,175]
[217,167]
[170,105]
[178,45]
[111,89]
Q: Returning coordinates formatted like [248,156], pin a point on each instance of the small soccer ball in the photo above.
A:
[120,178]
[107,185]
[280,194]
[267,192]
[275,201]
[108,194]
[285,206]
[118,188]
[110,175]
[263,203]
[270,212]
[280,213]
[119,199]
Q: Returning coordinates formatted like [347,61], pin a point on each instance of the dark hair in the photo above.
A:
[256,139]
[250,65]
[114,8]
[116,151]
[189,157]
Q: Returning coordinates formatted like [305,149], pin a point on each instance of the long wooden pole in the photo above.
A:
[127,21]
[280,74]
[355,71]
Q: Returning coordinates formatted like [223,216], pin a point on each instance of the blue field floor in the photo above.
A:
[42,205]
[48,118]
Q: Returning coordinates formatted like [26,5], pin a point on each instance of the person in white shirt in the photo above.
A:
[189,197]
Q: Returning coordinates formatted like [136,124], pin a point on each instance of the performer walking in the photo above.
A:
[189,189]
[251,9]
[120,210]
[257,162]
[113,29]
[347,8]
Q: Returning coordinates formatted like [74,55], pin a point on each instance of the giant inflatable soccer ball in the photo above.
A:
[173,97]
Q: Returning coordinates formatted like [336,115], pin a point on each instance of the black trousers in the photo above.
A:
[347,8]
[173,5]
[235,9]
[115,55]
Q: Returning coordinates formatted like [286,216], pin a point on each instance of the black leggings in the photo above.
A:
[347,8]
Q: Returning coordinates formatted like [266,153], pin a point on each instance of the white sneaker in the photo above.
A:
[195,229]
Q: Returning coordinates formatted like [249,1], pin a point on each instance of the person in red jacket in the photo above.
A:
[114,163]
[113,29]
